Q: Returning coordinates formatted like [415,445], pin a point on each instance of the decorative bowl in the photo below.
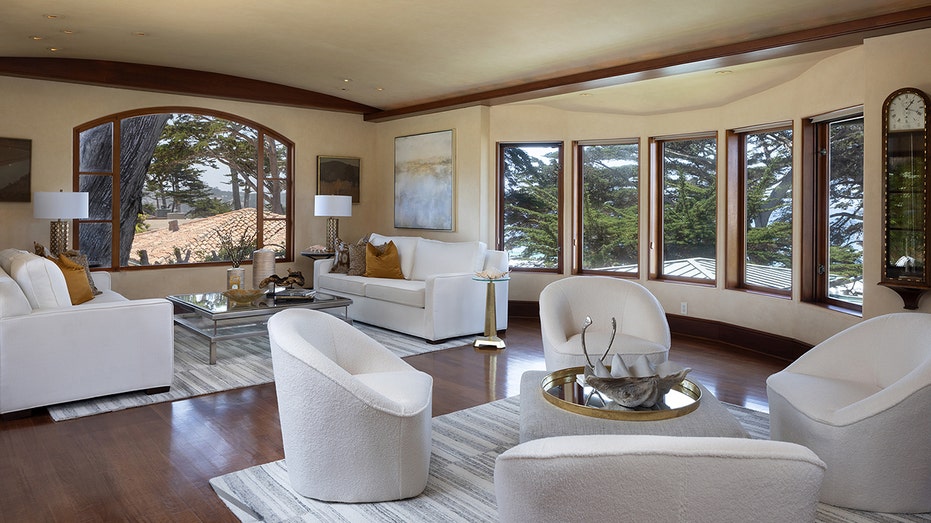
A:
[244,296]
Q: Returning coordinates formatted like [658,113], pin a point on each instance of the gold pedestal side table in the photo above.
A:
[491,341]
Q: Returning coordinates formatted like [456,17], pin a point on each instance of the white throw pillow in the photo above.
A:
[436,257]
[41,281]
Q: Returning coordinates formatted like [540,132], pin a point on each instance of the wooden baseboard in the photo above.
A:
[741,337]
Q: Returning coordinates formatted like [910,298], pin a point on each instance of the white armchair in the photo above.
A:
[861,400]
[564,304]
[355,418]
[596,478]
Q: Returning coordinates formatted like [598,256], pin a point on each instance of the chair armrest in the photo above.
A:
[454,299]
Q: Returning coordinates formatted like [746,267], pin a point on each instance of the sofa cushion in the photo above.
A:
[341,258]
[12,300]
[6,259]
[405,292]
[76,279]
[342,283]
[406,246]
[382,261]
[41,281]
[357,259]
[435,257]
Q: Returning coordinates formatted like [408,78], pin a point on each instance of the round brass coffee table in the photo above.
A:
[565,389]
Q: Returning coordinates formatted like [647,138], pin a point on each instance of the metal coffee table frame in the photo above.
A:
[211,315]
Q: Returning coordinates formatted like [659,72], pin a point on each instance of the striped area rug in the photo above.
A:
[240,363]
[460,486]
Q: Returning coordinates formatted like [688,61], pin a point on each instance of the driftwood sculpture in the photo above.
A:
[293,278]
[640,385]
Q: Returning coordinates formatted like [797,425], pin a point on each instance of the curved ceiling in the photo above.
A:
[404,53]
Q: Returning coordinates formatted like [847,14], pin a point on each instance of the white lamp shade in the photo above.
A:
[59,205]
[331,205]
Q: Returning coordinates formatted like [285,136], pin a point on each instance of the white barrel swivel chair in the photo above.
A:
[609,478]
[861,400]
[355,418]
[565,303]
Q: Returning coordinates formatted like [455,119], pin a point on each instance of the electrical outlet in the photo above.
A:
[684,308]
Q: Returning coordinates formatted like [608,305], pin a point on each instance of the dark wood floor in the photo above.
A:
[153,463]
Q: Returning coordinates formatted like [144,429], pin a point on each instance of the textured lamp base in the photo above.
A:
[332,231]
[58,237]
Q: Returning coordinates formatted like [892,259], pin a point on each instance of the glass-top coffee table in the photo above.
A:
[215,317]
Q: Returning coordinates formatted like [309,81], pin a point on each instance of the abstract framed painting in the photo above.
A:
[340,175]
[424,178]
[15,170]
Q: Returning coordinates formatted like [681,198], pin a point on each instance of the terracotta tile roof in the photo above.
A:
[199,237]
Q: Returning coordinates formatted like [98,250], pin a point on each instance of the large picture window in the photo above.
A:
[683,224]
[175,187]
[530,199]
[833,201]
[760,196]
[609,204]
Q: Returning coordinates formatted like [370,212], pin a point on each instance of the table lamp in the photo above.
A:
[332,206]
[59,207]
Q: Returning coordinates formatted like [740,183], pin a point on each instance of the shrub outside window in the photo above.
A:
[529,176]
[609,205]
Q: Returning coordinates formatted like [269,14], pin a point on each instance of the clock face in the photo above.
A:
[907,112]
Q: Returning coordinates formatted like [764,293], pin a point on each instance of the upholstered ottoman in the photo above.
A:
[541,419]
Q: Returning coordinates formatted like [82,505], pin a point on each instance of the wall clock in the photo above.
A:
[905,195]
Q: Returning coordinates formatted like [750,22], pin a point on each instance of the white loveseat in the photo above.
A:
[436,300]
[53,352]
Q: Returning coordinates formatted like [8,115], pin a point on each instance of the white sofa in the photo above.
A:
[436,300]
[53,352]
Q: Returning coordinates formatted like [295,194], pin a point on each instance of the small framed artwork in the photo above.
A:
[340,175]
[424,177]
[15,170]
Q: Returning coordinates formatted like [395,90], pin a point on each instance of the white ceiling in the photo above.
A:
[398,53]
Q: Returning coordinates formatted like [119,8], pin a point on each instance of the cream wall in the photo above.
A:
[46,113]
[861,75]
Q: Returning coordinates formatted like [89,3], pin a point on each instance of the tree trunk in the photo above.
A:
[138,138]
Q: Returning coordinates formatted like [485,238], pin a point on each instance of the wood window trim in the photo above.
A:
[560,179]
[578,222]
[815,192]
[656,176]
[735,264]
[116,119]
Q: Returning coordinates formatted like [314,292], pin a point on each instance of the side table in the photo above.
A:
[490,341]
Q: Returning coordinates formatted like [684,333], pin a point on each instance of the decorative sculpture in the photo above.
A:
[293,278]
[640,385]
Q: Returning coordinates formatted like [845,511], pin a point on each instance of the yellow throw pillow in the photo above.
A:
[382,261]
[76,278]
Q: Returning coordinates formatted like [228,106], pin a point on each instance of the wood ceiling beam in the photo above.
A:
[834,36]
[175,81]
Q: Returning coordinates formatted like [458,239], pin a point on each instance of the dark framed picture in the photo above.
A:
[15,170]
[340,175]
[424,178]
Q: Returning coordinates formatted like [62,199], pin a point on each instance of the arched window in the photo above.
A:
[181,186]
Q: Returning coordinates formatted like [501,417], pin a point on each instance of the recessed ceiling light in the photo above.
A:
[67,31]
[52,17]
[379,88]
[54,49]
[139,33]
[36,37]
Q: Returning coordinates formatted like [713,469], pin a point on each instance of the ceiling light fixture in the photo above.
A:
[54,49]
[36,37]
[138,33]
[51,17]
[67,31]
